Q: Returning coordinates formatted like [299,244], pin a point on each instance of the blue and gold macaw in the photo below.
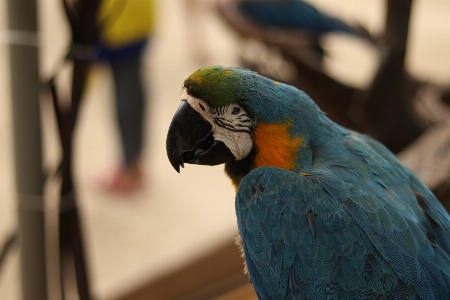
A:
[323,212]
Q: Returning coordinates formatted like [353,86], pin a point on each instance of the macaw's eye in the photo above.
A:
[236,110]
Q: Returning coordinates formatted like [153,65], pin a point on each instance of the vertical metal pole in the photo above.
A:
[24,70]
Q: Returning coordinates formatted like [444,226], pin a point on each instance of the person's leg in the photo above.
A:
[129,106]
[129,97]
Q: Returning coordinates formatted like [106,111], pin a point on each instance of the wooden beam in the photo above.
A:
[245,292]
[214,274]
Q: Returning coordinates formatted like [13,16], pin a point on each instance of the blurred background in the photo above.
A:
[173,238]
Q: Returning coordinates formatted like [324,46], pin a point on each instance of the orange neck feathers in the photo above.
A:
[275,146]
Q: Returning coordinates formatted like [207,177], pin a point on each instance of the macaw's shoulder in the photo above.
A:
[315,236]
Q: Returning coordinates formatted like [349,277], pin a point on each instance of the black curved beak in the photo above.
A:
[190,140]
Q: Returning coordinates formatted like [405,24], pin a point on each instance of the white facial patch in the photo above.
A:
[230,124]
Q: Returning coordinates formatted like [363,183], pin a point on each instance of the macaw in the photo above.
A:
[323,212]
[293,14]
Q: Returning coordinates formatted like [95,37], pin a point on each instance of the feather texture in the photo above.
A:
[308,243]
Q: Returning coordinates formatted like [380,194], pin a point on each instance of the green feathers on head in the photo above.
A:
[217,85]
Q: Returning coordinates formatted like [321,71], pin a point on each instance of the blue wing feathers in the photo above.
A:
[320,237]
[256,278]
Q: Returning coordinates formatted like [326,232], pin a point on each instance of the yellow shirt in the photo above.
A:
[124,22]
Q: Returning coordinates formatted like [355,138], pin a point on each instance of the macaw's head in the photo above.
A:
[230,115]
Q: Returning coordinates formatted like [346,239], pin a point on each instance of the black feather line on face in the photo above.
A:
[244,119]
[220,122]
[239,123]
[219,111]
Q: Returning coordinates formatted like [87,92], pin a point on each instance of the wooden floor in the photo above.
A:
[217,276]
[245,292]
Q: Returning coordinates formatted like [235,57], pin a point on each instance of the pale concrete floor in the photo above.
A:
[176,217]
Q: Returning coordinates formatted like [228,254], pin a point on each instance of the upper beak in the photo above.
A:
[190,140]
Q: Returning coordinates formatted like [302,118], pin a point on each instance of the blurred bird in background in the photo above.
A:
[298,15]
[294,14]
